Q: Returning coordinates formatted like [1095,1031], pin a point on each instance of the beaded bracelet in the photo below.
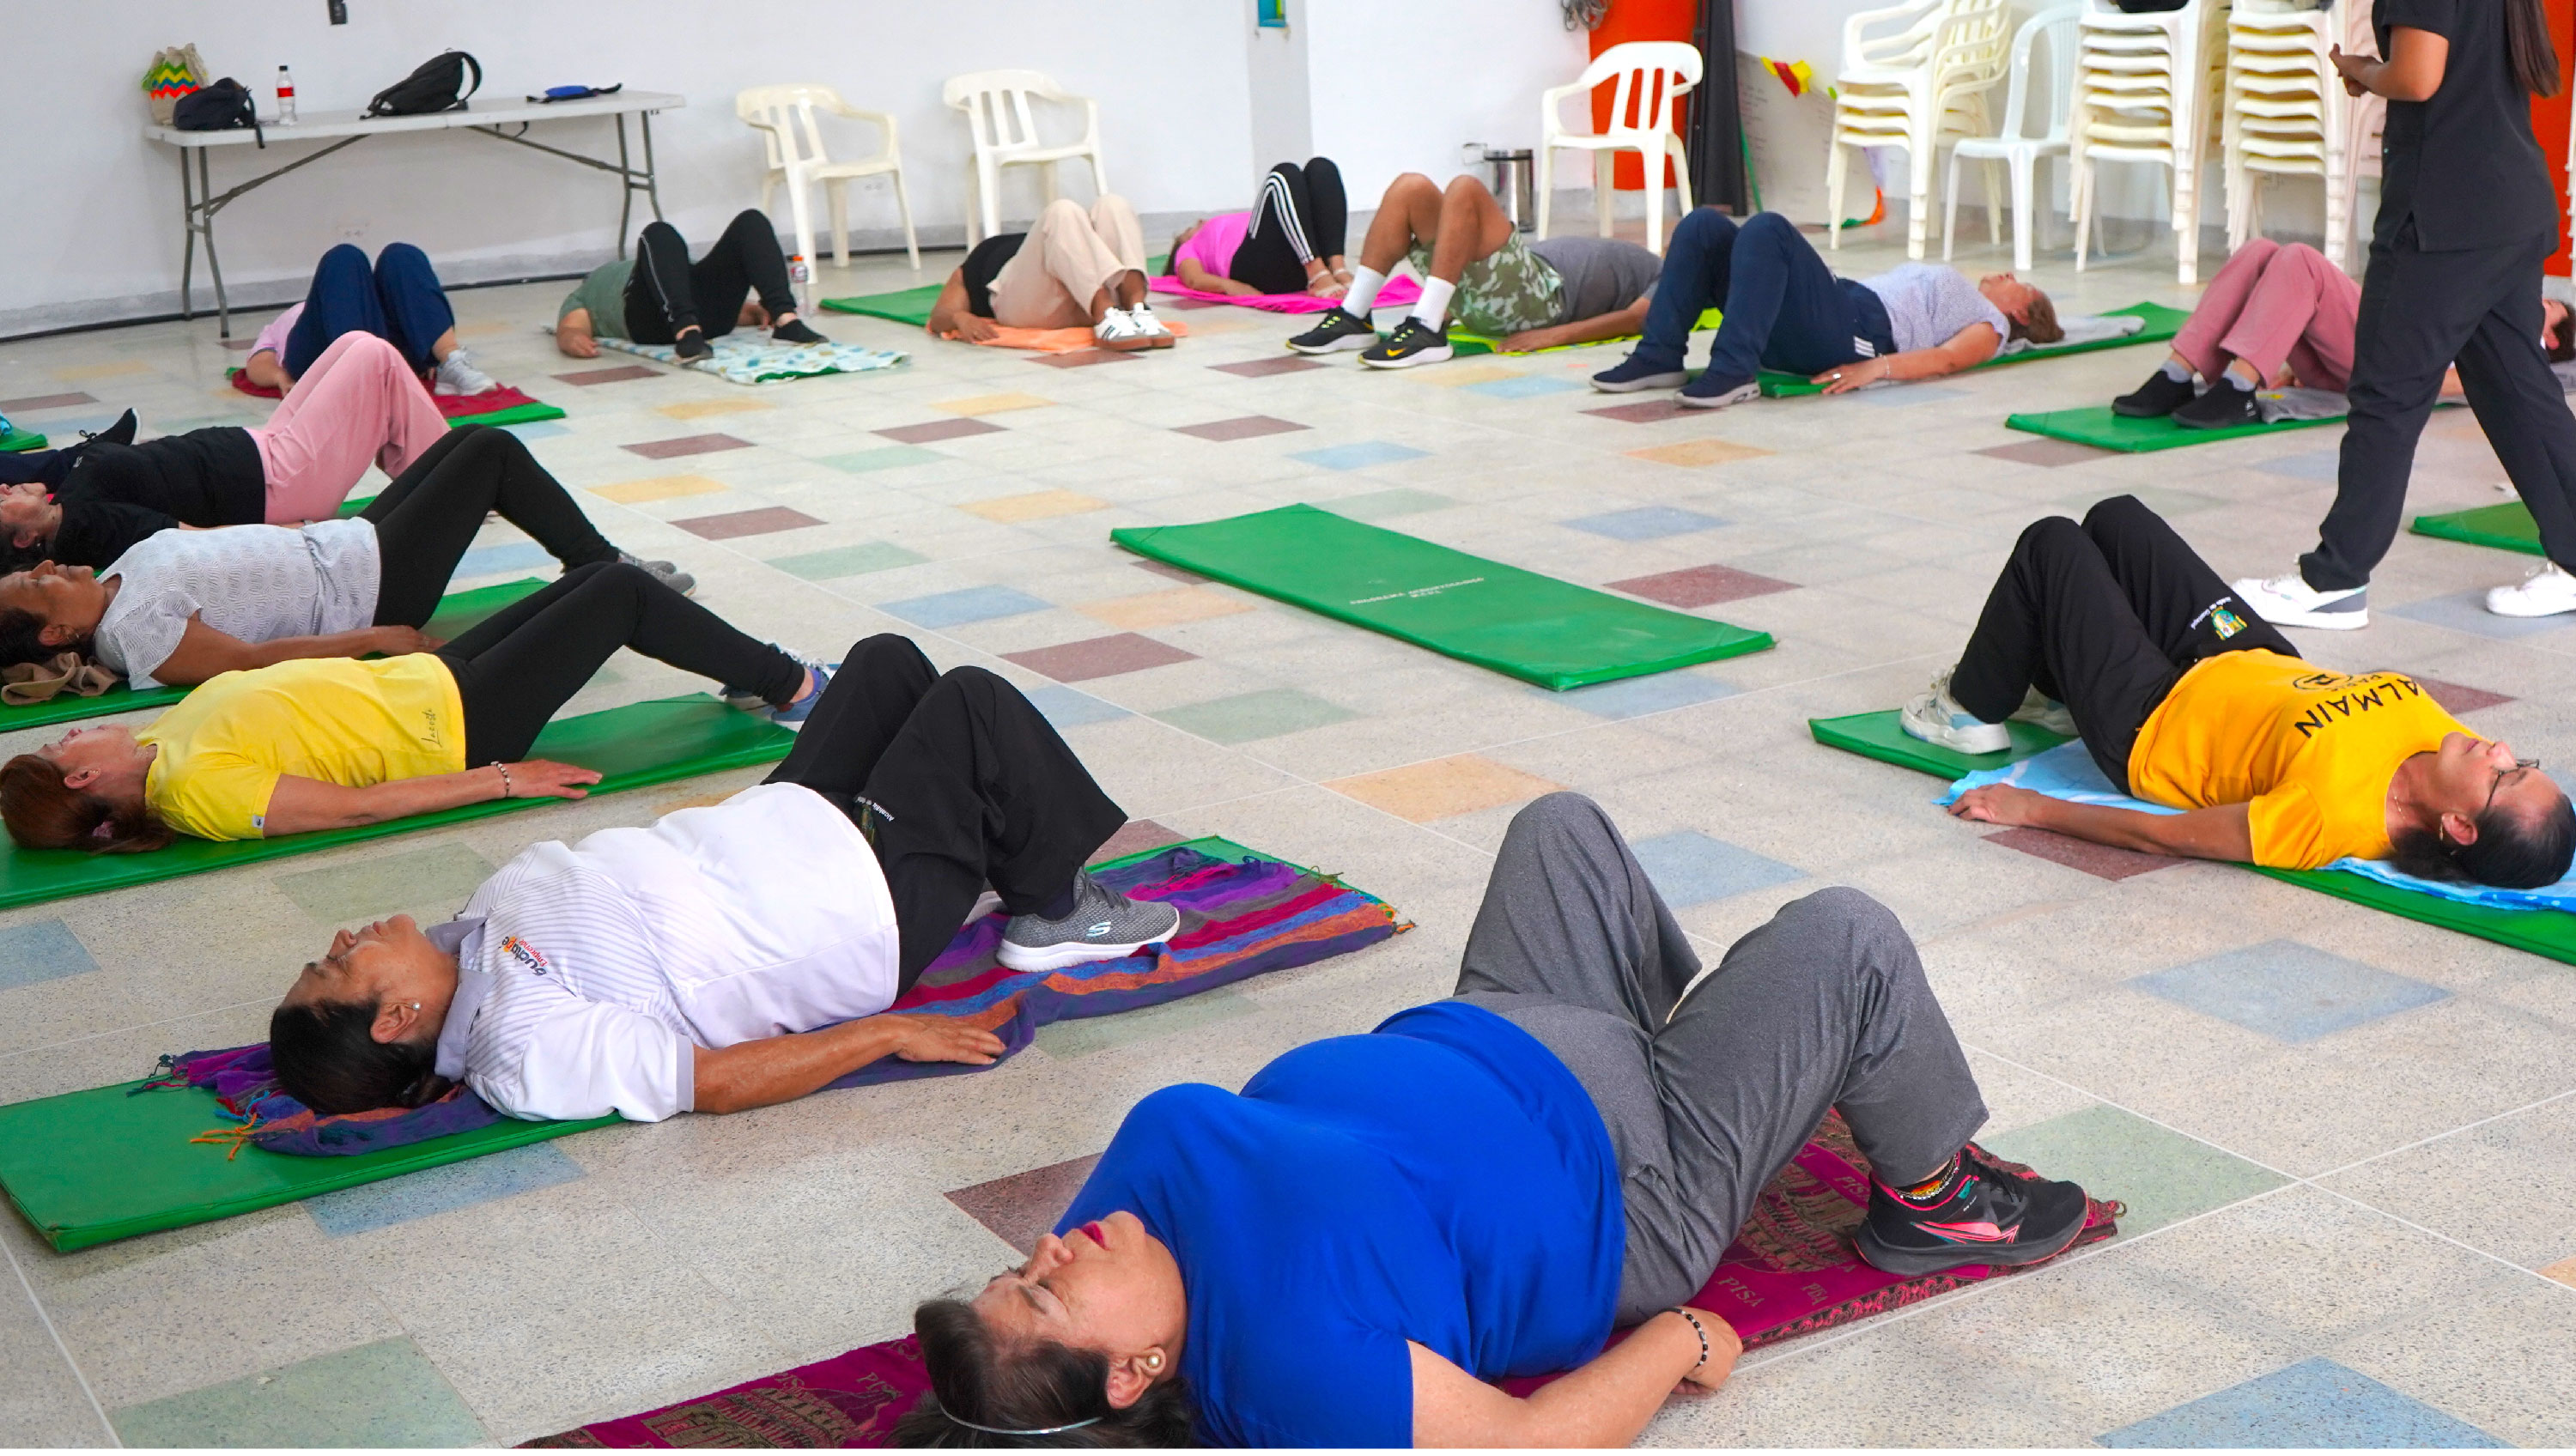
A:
[1696,1328]
[511,791]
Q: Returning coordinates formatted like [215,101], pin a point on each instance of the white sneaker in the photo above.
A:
[1148,327]
[2544,593]
[2041,711]
[457,375]
[1118,329]
[1936,717]
[2288,601]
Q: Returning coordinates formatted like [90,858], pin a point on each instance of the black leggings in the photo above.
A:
[959,783]
[667,293]
[427,518]
[1302,217]
[516,667]
[2104,617]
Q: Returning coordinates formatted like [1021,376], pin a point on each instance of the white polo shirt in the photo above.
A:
[588,973]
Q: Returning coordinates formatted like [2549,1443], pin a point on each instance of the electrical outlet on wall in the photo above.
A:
[351,230]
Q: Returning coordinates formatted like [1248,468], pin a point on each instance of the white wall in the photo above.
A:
[96,236]
[1399,85]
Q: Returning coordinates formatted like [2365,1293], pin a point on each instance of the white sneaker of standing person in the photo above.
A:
[2288,601]
[2544,593]
[1936,717]
[457,375]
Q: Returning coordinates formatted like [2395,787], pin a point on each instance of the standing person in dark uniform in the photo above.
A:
[2466,215]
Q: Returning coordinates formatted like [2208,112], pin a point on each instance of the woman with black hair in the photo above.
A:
[2115,631]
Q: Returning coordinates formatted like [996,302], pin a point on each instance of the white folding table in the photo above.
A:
[199,202]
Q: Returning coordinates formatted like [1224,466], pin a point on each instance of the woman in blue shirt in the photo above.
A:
[1349,1250]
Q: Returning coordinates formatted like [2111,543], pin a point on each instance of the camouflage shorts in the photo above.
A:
[1508,290]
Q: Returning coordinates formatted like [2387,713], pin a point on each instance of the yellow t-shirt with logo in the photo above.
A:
[2308,752]
[335,719]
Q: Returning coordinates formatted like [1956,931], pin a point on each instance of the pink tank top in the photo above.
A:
[1212,246]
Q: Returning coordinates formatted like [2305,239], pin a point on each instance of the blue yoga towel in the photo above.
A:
[2068,772]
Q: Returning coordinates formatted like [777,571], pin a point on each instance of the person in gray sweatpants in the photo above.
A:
[1709,1090]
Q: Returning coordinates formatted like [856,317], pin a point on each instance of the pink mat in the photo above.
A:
[1398,293]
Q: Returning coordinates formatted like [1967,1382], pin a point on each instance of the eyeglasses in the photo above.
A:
[2519,765]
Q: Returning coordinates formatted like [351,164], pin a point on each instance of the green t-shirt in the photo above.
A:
[604,294]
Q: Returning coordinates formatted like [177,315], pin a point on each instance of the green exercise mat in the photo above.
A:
[1532,627]
[634,746]
[912,305]
[2162,324]
[2507,526]
[517,414]
[17,439]
[2095,425]
[456,612]
[1462,344]
[2549,933]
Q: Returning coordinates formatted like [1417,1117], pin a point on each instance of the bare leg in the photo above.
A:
[442,346]
[1410,208]
[1470,225]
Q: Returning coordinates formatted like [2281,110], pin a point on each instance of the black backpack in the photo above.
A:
[438,84]
[224,105]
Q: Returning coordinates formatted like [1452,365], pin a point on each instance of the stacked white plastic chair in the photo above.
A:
[1005,131]
[1913,75]
[2288,115]
[2015,149]
[1650,74]
[2145,87]
[785,118]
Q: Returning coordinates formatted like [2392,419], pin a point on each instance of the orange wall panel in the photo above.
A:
[2549,119]
[1661,20]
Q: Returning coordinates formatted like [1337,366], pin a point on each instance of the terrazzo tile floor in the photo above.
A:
[2348,1142]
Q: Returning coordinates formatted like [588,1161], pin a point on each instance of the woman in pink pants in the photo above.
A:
[359,405]
[2278,314]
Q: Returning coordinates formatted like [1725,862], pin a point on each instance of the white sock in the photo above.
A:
[2244,376]
[2177,371]
[1434,307]
[1365,282]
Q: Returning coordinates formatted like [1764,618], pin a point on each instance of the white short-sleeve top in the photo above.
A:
[256,583]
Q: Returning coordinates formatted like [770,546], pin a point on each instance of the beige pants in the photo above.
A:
[1068,256]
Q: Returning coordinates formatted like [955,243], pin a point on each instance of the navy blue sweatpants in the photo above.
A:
[397,300]
[1784,308]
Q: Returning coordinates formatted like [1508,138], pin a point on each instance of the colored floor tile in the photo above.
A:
[1083,358]
[85,372]
[340,895]
[1250,717]
[935,430]
[1065,1040]
[707,409]
[617,375]
[1386,505]
[505,1174]
[841,561]
[1637,696]
[1645,523]
[2102,861]
[1644,411]
[1528,386]
[1701,586]
[539,429]
[2163,1176]
[657,487]
[992,404]
[1461,784]
[385,1394]
[2310,465]
[1358,455]
[2315,1403]
[1696,453]
[1135,836]
[2044,452]
[1071,707]
[2467,612]
[1459,376]
[2288,991]
[1023,1207]
[1247,427]
[2456,698]
[735,524]
[1690,868]
[2564,1271]
[1110,656]
[41,950]
[886,457]
[686,445]
[512,556]
[1150,610]
[28,404]
[1036,505]
[1264,368]
[957,608]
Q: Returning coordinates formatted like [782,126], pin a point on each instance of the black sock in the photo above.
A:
[1063,903]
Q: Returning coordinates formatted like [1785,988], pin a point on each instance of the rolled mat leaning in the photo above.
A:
[2507,526]
[1519,623]
[634,746]
[15,440]
[1244,914]
[1791,1271]
[2549,933]
[456,612]
[2162,324]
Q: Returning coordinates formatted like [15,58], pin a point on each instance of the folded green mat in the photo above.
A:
[2507,526]
[17,439]
[1532,627]
[634,746]
[2547,933]
[2162,324]
[912,305]
[1463,344]
[517,414]
[2095,425]
[456,612]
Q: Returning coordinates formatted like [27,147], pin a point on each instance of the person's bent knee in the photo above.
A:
[2046,534]
[340,256]
[1556,810]
[1066,210]
[753,217]
[402,257]
[2117,511]
[1464,185]
[1839,910]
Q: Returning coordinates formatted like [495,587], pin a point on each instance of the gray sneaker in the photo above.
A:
[1104,925]
[668,572]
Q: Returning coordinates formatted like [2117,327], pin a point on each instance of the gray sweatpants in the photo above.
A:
[1706,1100]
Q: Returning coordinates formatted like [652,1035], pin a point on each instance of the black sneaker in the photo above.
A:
[120,433]
[2223,404]
[794,331]
[1413,342]
[2162,394]
[1337,330]
[692,344]
[1984,1214]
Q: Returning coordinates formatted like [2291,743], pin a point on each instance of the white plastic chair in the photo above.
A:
[1650,74]
[798,160]
[1005,133]
[2015,147]
[2145,86]
[1924,80]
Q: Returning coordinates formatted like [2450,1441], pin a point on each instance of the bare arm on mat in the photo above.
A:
[1605,1403]
[2223,832]
[1966,349]
[301,805]
[783,1068]
[204,651]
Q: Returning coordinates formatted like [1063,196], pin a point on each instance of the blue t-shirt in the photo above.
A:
[1443,1179]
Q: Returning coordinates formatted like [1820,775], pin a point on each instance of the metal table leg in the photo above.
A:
[625,185]
[652,178]
[188,238]
[214,265]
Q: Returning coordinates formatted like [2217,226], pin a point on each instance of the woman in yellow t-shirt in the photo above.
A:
[2115,631]
[328,743]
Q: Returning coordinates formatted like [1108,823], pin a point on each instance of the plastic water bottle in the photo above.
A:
[285,97]
[796,270]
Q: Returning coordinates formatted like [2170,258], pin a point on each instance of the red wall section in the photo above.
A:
[2549,116]
[1677,20]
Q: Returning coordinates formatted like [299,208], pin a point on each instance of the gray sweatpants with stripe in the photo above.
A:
[1708,1096]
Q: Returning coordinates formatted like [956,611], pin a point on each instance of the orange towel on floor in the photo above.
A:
[1054,341]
